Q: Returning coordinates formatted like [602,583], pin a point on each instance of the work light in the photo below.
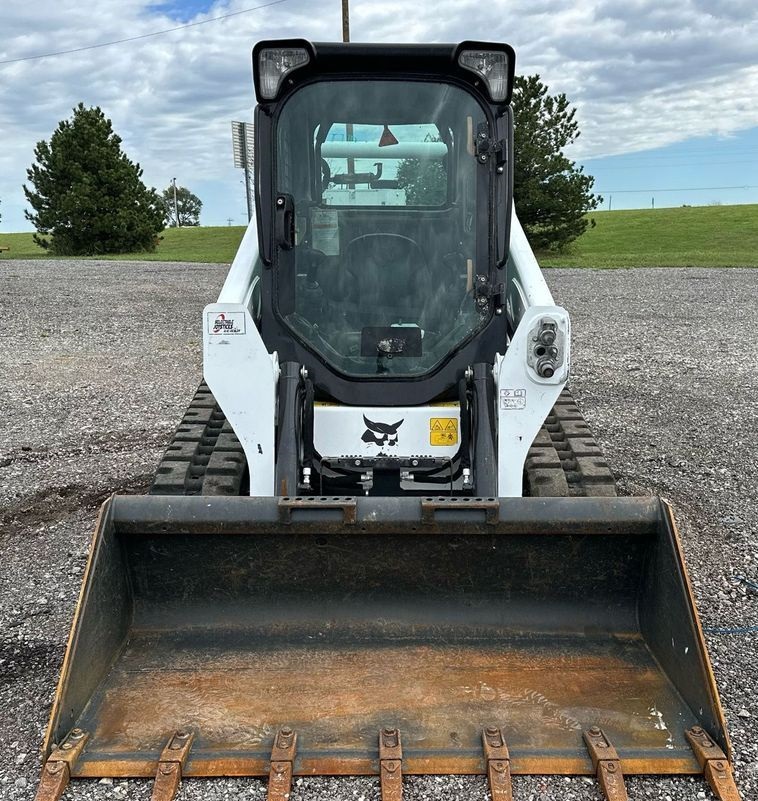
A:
[492,67]
[274,64]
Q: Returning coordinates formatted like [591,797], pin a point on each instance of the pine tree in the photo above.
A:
[552,196]
[88,197]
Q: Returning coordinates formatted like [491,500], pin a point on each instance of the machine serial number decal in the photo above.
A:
[226,323]
[443,431]
[513,399]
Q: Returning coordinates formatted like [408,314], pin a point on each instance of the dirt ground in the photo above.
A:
[99,359]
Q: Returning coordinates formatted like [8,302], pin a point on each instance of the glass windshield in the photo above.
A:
[386,193]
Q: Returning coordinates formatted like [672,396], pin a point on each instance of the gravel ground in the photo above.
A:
[99,360]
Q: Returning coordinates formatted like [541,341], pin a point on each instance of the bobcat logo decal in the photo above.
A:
[381,433]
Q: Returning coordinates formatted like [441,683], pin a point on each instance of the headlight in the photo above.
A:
[492,67]
[274,64]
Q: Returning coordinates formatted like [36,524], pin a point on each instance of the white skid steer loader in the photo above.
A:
[383,539]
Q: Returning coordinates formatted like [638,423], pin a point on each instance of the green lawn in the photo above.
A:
[697,236]
[207,244]
[21,247]
[701,236]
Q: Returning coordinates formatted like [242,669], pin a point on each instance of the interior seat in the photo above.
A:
[389,280]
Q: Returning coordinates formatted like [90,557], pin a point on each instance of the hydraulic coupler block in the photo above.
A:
[546,349]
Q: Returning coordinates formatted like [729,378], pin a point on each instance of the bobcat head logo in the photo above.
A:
[381,433]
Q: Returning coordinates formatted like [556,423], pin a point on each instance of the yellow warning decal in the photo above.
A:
[443,431]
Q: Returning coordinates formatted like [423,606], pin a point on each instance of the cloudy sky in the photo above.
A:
[667,90]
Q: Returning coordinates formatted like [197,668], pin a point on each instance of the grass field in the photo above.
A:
[204,244]
[698,236]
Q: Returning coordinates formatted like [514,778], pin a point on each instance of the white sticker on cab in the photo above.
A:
[513,399]
[226,323]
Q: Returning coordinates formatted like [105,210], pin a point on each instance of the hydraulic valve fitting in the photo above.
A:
[545,352]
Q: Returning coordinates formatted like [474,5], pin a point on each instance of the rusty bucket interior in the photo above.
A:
[338,618]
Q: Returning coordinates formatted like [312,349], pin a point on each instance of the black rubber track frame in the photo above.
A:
[565,460]
[204,456]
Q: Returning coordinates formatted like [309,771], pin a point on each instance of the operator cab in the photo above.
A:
[384,201]
[385,225]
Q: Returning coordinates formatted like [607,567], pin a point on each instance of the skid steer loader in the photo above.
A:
[383,540]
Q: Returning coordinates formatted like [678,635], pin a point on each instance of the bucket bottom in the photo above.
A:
[235,692]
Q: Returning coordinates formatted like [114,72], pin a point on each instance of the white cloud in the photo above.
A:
[642,73]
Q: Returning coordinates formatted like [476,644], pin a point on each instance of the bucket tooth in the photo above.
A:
[607,765]
[498,762]
[282,758]
[170,766]
[57,770]
[391,764]
[714,764]
[55,776]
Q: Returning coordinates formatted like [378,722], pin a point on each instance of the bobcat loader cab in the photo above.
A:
[426,358]
[385,373]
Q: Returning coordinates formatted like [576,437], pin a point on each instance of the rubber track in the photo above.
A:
[565,460]
[204,456]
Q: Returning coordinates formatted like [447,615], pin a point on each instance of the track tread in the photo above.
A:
[565,459]
[204,456]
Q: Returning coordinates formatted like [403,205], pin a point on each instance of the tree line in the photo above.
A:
[87,196]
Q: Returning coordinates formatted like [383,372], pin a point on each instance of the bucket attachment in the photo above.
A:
[386,636]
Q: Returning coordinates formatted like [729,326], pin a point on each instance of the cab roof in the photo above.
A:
[362,60]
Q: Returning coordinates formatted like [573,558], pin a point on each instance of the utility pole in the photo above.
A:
[246,164]
[229,221]
[176,205]
[345,20]
[346,38]
[610,202]
[247,194]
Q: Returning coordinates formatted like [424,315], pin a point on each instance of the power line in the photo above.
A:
[711,151]
[672,164]
[142,36]
[682,189]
